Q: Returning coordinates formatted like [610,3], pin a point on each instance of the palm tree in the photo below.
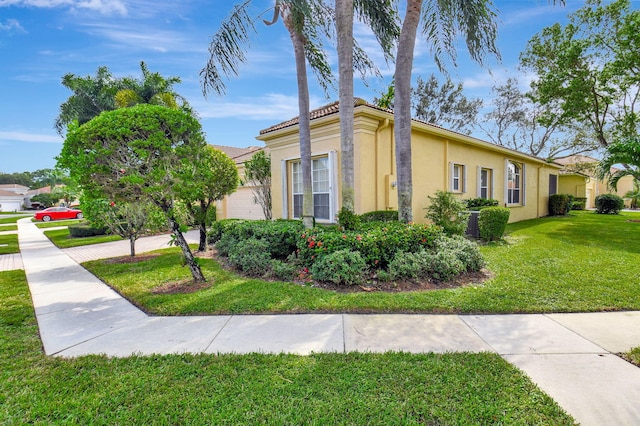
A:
[302,20]
[443,21]
[380,17]
[627,153]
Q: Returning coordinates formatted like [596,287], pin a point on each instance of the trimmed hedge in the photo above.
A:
[609,204]
[492,222]
[80,231]
[579,203]
[559,204]
[480,203]
[281,235]
[380,216]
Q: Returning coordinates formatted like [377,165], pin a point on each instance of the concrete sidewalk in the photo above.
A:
[568,355]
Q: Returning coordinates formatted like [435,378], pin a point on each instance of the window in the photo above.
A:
[486,178]
[514,183]
[320,185]
[553,184]
[457,178]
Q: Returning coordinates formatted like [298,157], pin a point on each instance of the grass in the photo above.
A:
[633,356]
[8,228]
[61,238]
[354,388]
[582,263]
[12,219]
[11,242]
[57,223]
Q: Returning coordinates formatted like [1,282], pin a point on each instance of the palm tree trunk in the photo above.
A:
[305,124]
[402,111]
[344,25]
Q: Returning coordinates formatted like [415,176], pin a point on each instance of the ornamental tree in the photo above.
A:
[137,154]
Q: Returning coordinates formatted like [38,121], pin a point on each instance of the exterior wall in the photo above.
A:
[624,185]
[575,185]
[434,150]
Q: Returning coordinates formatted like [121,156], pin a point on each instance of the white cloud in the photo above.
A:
[29,137]
[272,106]
[105,7]
[144,38]
[12,25]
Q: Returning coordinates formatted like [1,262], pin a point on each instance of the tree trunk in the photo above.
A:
[181,242]
[132,244]
[203,236]
[402,111]
[305,124]
[344,25]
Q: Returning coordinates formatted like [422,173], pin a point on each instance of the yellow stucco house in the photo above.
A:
[442,160]
[577,179]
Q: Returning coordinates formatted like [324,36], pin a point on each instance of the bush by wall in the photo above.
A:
[281,235]
[492,222]
[479,203]
[380,216]
[609,204]
[79,231]
[251,256]
[348,220]
[559,205]
[448,212]
[579,203]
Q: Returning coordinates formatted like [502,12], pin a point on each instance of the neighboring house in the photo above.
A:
[442,160]
[12,197]
[578,179]
[240,204]
[44,190]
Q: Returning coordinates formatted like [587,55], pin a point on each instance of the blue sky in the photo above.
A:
[42,40]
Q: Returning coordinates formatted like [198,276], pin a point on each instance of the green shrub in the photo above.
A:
[465,250]
[609,204]
[378,242]
[285,271]
[479,203]
[348,220]
[82,230]
[380,216]
[579,203]
[448,212]
[251,256]
[281,235]
[559,204]
[341,267]
[444,265]
[408,265]
[225,244]
[492,222]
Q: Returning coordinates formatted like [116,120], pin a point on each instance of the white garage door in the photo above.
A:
[240,205]
[10,206]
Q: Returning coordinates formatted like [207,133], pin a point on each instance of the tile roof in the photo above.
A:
[333,108]
[239,155]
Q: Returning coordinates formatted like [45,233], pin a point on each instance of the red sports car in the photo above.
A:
[55,213]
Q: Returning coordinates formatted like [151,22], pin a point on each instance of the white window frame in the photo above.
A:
[331,179]
[490,183]
[515,179]
[458,178]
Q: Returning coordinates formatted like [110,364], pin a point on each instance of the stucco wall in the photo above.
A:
[433,151]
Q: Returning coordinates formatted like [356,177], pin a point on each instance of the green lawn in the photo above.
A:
[12,219]
[11,241]
[585,262]
[8,228]
[57,223]
[354,388]
[61,238]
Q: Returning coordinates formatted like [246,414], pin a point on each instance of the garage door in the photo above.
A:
[240,205]
[10,206]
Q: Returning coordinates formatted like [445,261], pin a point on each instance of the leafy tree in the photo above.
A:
[448,212]
[257,172]
[23,179]
[209,178]
[625,152]
[590,68]
[514,120]
[443,21]
[445,104]
[137,154]
[46,199]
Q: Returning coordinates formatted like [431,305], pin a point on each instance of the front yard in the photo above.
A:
[581,263]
